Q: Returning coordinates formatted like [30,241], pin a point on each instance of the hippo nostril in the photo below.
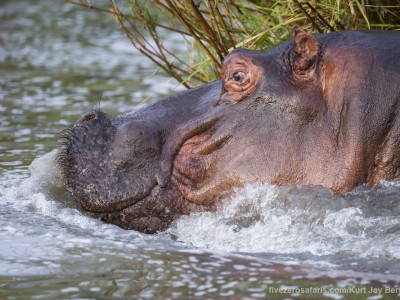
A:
[87,117]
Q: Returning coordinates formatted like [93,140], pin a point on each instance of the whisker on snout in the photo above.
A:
[64,140]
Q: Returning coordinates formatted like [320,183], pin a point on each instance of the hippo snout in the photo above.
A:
[110,162]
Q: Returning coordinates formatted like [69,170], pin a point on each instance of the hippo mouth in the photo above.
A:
[193,167]
[193,171]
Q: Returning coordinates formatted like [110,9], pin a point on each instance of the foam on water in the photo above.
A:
[43,194]
[41,227]
[269,219]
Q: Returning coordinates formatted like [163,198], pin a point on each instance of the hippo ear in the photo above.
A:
[304,53]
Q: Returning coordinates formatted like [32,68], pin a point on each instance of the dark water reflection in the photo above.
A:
[58,61]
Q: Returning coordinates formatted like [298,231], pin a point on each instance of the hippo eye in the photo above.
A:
[238,76]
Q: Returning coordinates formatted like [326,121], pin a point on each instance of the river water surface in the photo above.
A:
[58,61]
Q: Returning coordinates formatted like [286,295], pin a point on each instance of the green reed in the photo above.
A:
[210,29]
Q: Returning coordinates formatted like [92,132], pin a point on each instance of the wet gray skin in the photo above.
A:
[316,110]
[121,165]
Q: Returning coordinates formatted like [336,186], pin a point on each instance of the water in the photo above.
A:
[56,62]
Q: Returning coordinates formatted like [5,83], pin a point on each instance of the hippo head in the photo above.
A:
[316,110]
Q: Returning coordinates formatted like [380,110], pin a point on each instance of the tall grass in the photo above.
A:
[210,29]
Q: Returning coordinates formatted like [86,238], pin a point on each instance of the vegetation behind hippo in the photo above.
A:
[209,30]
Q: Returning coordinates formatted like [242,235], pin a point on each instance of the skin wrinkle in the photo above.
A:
[353,153]
[334,111]
[386,160]
[190,169]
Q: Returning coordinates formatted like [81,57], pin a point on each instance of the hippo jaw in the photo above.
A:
[145,194]
[140,174]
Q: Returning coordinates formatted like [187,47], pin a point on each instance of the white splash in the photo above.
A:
[290,219]
[44,196]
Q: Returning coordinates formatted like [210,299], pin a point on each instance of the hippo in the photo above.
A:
[317,110]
